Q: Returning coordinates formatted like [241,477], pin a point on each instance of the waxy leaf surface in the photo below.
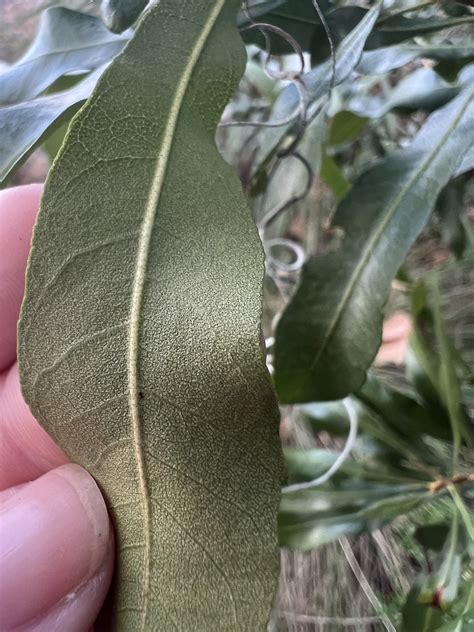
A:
[140,332]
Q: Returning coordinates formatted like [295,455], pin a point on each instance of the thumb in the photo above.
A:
[56,553]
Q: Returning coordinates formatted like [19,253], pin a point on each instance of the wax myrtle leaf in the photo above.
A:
[330,332]
[139,337]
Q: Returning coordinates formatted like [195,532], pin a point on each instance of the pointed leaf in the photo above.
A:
[67,41]
[330,332]
[23,126]
[306,465]
[450,386]
[140,331]
[314,517]
[401,412]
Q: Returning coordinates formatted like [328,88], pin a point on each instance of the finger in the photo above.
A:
[78,610]
[18,208]
[26,450]
[55,553]
[397,326]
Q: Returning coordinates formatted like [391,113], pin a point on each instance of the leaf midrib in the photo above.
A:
[367,251]
[145,237]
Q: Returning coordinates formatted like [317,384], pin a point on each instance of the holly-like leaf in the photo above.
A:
[140,343]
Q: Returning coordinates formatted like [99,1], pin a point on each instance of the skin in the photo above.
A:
[56,541]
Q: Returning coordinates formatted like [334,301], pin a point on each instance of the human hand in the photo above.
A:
[56,542]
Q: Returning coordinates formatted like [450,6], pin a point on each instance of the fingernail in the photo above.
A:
[54,534]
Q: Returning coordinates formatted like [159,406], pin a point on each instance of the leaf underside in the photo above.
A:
[139,340]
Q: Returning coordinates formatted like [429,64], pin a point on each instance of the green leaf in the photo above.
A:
[330,332]
[317,83]
[23,126]
[314,517]
[403,413]
[306,465]
[332,175]
[118,15]
[422,89]
[300,19]
[450,211]
[67,41]
[421,361]
[344,127]
[450,387]
[297,18]
[419,617]
[139,337]
[412,448]
[382,60]
[392,30]
[432,536]
[397,445]
[328,416]
[387,31]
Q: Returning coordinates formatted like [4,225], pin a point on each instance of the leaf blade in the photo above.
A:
[67,41]
[330,332]
[147,406]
